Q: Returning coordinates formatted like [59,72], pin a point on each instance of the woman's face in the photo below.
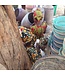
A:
[36,21]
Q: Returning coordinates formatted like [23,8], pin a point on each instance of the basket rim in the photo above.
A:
[35,65]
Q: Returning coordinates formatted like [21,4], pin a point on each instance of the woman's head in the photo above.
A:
[37,15]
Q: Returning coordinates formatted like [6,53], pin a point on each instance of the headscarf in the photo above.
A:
[38,14]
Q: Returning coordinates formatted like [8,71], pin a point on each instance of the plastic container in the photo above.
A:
[49,13]
[56,39]
[61,52]
[64,46]
[59,23]
[55,7]
[58,34]
[53,50]
[20,13]
[61,37]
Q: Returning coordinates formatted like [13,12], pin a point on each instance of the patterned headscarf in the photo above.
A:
[38,14]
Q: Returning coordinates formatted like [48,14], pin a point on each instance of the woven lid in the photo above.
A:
[55,62]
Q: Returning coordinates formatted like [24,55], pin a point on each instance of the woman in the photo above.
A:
[32,18]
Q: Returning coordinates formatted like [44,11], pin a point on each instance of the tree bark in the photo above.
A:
[13,54]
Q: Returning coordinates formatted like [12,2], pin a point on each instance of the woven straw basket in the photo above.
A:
[50,63]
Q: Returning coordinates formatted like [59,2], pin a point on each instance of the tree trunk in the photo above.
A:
[13,55]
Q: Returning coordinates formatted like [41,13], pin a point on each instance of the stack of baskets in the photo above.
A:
[58,33]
